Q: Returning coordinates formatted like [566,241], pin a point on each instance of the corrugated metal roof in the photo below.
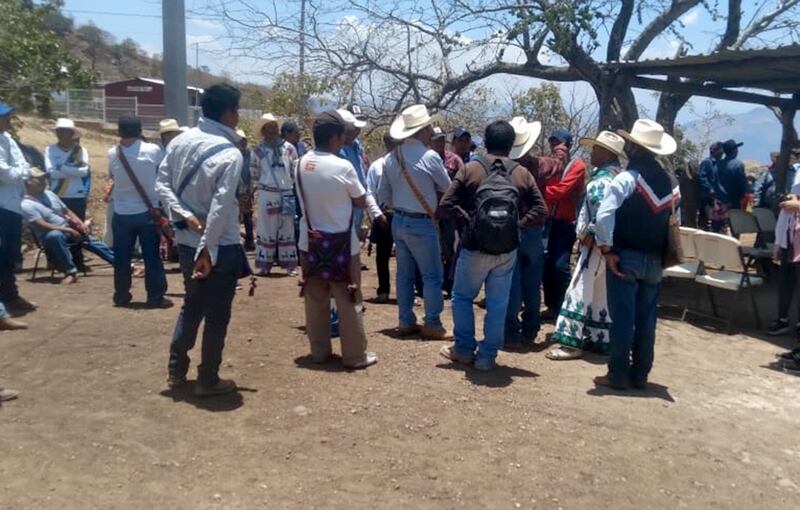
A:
[773,69]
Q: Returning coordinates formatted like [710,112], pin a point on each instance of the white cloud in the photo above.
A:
[205,24]
[691,17]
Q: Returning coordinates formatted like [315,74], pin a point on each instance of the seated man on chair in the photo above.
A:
[55,226]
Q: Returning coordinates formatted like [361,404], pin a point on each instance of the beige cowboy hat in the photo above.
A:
[351,119]
[410,121]
[265,119]
[64,123]
[607,140]
[36,173]
[169,126]
[525,135]
[650,135]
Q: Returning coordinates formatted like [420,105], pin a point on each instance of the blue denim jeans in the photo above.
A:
[3,311]
[10,245]
[208,299]
[55,244]
[417,246]
[526,287]
[127,229]
[557,271]
[632,303]
[473,269]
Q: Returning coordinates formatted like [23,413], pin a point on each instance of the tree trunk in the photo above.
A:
[669,105]
[788,142]
[617,104]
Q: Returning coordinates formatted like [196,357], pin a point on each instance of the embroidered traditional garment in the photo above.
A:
[584,321]
[272,167]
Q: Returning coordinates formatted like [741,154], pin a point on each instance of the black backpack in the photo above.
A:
[495,224]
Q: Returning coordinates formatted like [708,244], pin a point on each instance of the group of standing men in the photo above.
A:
[505,220]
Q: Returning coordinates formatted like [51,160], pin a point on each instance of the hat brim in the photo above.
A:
[359,124]
[591,142]
[667,146]
[534,131]
[65,128]
[171,130]
[261,123]
[398,130]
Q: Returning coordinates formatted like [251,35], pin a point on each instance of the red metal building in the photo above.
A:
[147,91]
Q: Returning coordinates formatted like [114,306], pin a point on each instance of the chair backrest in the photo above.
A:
[687,242]
[742,222]
[765,219]
[717,250]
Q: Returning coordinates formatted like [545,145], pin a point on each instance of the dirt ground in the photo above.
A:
[95,426]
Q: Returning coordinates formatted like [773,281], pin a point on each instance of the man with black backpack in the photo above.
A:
[492,198]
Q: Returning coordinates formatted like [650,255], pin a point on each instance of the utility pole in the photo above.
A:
[303,96]
[176,100]
[197,64]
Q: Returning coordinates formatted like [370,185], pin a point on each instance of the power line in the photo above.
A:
[132,14]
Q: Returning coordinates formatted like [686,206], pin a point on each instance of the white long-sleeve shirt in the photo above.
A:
[782,227]
[14,170]
[211,193]
[67,180]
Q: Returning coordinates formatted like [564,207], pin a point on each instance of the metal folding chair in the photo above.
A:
[723,267]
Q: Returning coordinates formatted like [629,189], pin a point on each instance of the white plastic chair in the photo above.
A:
[724,255]
[690,267]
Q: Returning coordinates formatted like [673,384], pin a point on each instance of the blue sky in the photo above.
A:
[141,22]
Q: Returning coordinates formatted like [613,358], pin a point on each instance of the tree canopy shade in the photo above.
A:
[397,52]
[33,64]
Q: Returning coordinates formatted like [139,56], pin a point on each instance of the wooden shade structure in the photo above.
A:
[769,77]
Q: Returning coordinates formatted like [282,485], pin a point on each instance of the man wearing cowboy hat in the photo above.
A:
[631,230]
[527,280]
[168,130]
[67,167]
[13,172]
[272,164]
[583,323]
[413,175]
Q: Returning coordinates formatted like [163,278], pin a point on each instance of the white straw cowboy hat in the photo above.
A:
[412,119]
[650,135]
[63,123]
[169,126]
[351,119]
[607,140]
[265,119]
[525,135]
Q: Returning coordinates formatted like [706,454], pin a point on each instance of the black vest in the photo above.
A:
[642,220]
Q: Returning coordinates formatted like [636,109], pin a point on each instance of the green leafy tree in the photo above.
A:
[290,95]
[33,64]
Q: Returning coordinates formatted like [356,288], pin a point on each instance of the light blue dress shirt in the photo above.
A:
[427,171]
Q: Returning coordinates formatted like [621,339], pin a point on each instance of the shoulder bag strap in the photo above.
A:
[193,170]
[414,189]
[132,177]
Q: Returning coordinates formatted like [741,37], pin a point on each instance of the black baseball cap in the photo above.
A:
[330,118]
[460,132]
[729,145]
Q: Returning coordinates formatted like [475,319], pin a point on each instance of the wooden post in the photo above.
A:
[788,143]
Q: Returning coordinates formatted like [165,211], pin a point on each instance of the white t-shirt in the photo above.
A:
[329,183]
[144,159]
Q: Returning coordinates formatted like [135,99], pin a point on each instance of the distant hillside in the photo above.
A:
[112,61]
[758,128]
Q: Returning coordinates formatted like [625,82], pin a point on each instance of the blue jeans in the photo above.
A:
[632,303]
[526,287]
[3,311]
[10,246]
[127,228]
[417,246]
[55,244]
[208,299]
[473,269]
[557,272]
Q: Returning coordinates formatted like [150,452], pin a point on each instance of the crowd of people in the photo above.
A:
[457,219]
